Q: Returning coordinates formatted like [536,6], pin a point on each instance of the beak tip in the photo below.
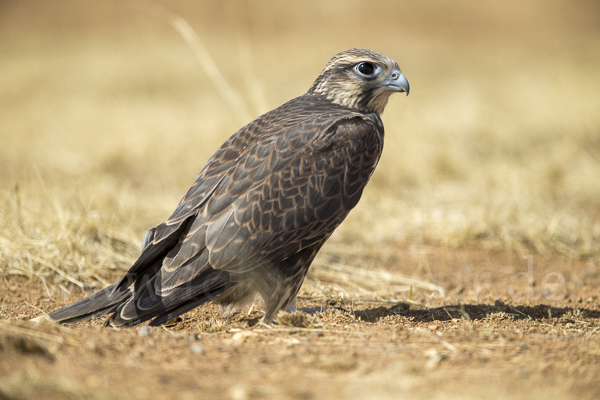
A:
[397,83]
[403,83]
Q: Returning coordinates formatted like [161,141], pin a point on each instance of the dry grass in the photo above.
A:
[107,116]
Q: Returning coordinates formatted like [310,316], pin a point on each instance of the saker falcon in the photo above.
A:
[264,204]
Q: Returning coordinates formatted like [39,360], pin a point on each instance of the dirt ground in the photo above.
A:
[491,335]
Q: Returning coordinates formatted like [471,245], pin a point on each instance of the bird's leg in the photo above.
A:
[284,300]
[292,306]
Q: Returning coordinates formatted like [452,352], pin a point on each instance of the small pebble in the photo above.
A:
[143,331]
[197,349]
[570,325]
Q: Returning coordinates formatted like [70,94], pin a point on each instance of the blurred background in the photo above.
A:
[107,114]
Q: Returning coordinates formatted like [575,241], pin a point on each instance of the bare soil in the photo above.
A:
[491,335]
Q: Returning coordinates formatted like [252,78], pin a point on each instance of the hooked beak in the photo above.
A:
[397,82]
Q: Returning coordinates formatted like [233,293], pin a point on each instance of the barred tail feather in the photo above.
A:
[96,305]
[147,304]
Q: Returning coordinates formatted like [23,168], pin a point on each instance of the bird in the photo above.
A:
[263,205]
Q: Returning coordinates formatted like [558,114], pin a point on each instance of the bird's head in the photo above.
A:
[360,79]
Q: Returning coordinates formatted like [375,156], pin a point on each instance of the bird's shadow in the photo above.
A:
[452,312]
[472,312]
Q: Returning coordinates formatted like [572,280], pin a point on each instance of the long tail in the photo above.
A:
[96,305]
[147,303]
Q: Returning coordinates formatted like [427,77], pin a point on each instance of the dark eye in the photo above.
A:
[366,68]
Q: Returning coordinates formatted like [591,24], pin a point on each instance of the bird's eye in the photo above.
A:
[366,68]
